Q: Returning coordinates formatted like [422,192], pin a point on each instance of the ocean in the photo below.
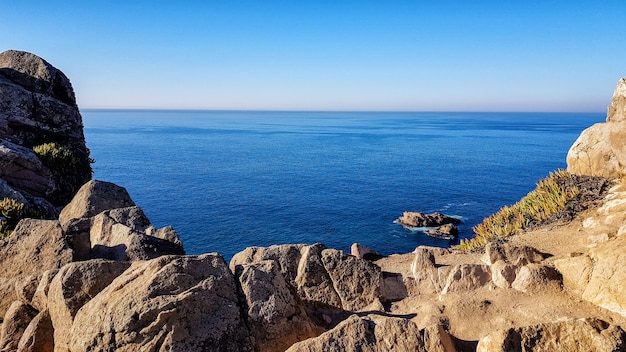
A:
[226,180]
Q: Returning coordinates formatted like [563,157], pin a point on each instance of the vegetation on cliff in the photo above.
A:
[558,197]
[11,212]
[70,172]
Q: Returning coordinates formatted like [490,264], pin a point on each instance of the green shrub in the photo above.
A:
[547,199]
[11,212]
[70,172]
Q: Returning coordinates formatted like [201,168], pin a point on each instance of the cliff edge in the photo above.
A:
[100,277]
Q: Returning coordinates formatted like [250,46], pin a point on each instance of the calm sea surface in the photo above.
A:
[229,180]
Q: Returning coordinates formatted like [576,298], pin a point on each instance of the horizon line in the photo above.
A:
[332,110]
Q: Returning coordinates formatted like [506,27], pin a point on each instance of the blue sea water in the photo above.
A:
[226,180]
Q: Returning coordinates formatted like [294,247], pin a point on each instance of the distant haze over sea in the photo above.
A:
[226,180]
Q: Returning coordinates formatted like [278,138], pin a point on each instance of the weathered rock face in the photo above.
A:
[176,303]
[120,234]
[599,277]
[34,246]
[17,318]
[329,275]
[102,221]
[37,105]
[39,335]
[73,286]
[378,333]
[574,335]
[275,317]
[294,292]
[93,198]
[600,150]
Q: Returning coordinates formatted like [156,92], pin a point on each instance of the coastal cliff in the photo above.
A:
[100,277]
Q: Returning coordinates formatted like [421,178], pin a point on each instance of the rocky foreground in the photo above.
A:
[96,275]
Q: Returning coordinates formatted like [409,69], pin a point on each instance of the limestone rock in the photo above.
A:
[417,219]
[16,320]
[600,150]
[38,336]
[34,246]
[274,316]
[573,335]
[177,303]
[73,286]
[537,277]
[356,281]
[377,334]
[93,198]
[467,277]
[119,234]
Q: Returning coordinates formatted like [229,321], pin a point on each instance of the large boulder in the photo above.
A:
[356,281]
[175,303]
[275,317]
[599,276]
[37,106]
[120,234]
[600,149]
[377,334]
[73,286]
[93,198]
[34,246]
[16,320]
[580,335]
[39,335]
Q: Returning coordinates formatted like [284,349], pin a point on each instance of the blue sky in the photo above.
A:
[329,55]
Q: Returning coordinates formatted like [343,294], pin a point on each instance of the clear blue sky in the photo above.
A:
[329,55]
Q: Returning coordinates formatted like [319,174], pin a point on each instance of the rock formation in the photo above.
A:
[102,278]
[600,150]
[417,219]
[37,106]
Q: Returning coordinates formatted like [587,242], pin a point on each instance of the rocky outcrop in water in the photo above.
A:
[600,150]
[37,106]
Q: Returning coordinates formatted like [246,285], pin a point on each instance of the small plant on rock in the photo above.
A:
[550,197]
[11,212]
[69,171]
